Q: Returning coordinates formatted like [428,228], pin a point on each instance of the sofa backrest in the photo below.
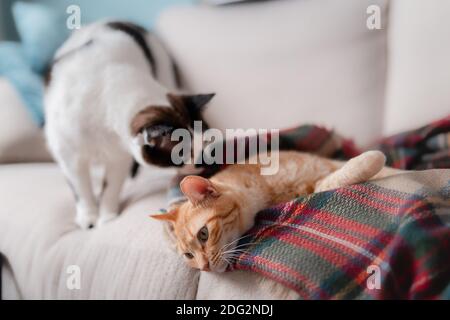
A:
[418,89]
[282,63]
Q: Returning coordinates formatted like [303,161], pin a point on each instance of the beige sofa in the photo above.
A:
[273,64]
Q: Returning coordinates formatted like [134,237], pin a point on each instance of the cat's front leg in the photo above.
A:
[356,170]
[115,174]
[77,172]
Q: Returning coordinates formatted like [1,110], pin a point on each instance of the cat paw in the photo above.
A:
[106,217]
[322,187]
[86,218]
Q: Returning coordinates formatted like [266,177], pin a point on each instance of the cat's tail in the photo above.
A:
[356,170]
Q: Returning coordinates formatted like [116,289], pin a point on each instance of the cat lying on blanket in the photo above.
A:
[221,209]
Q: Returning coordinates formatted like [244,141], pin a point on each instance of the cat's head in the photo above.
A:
[152,127]
[207,226]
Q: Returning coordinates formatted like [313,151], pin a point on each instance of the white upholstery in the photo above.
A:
[237,285]
[419,65]
[273,64]
[282,63]
[20,139]
[128,258]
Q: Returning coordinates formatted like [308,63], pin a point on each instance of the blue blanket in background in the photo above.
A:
[15,67]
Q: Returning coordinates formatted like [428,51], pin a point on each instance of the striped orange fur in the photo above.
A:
[221,209]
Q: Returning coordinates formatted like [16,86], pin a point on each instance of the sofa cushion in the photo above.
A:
[419,65]
[240,285]
[20,138]
[126,259]
[276,64]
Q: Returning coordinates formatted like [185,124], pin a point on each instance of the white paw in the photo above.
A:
[86,218]
[322,187]
[106,217]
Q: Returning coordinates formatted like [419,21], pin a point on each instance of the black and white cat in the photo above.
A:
[110,84]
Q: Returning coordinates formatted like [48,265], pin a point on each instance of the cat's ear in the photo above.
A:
[193,103]
[170,216]
[197,189]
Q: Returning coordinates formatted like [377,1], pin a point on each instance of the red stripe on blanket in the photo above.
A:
[331,217]
[364,200]
[313,287]
[342,256]
[379,195]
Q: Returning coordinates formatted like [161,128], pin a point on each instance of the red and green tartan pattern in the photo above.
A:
[425,148]
[322,245]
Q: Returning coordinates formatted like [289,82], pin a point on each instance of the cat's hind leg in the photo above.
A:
[116,172]
[356,170]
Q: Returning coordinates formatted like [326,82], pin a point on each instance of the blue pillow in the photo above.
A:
[42,31]
[14,66]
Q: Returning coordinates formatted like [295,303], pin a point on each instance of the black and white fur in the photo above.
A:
[103,77]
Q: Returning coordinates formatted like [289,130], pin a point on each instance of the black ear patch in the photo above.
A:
[193,104]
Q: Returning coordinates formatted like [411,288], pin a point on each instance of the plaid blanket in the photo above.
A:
[383,240]
[388,239]
[424,148]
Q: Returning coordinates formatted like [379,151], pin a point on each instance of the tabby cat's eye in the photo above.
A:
[189,255]
[203,234]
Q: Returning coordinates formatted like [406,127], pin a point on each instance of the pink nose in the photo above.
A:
[206,267]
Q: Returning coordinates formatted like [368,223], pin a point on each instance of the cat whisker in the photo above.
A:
[236,240]
[233,255]
[228,255]
[240,247]
[231,259]
[235,251]
[246,244]
[223,258]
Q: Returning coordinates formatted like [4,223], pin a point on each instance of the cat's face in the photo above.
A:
[207,226]
[152,128]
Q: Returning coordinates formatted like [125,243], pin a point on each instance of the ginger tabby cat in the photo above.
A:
[220,210]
